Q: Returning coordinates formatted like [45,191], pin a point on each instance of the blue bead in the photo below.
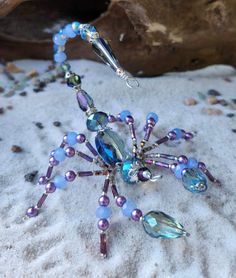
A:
[110,147]
[60,182]
[71,138]
[124,114]
[178,133]
[97,121]
[178,170]
[194,180]
[68,31]
[57,39]
[192,162]
[75,26]
[60,57]
[59,154]
[158,224]
[103,212]
[128,207]
[126,167]
[152,115]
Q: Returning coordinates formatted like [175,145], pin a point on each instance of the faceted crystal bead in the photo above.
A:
[97,121]
[194,180]
[158,224]
[110,146]
[84,100]
[73,80]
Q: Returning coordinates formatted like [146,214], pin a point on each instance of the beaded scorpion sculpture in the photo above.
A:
[111,155]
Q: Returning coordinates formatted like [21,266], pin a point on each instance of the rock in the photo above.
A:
[56,123]
[30,177]
[32,74]
[23,94]
[1,110]
[12,68]
[16,149]
[2,89]
[39,125]
[190,101]
[223,102]
[212,100]
[211,111]
[230,115]
[213,92]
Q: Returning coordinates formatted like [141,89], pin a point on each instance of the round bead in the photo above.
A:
[188,136]
[136,214]
[58,40]
[97,121]
[124,114]
[60,182]
[182,159]
[173,166]
[70,176]
[60,57]
[192,162]
[53,161]
[153,116]
[103,212]
[75,27]
[81,138]
[120,200]
[178,133]
[104,200]
[103,224]
[128,207]
[201,165]
[129,119]
[32,212]
[144,174]
[59,154]
[178,170]
[71,138]
[70,152]
[42,180]
[111,118]
[50,187]
[68,31]
[172,135]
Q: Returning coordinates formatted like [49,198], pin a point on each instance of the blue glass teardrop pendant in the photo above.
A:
[110,147]
[158,224]
[194,180]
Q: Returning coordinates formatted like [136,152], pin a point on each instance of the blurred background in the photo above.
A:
[150,37]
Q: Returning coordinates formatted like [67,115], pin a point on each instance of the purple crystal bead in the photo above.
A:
[84,100]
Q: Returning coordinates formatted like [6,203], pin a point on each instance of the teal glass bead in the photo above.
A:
[97,121]
[128,173]
[128,207]
[110,147]
[192,162]
[75,26]
[178,170]
[194,180]
[103,212]
[158,224]
[60,182]
[59,154]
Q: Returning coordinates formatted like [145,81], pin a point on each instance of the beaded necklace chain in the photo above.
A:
[110,154]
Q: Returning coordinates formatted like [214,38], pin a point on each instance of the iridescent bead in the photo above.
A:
[194,180]
[70,152]
[192,162]
[158,224]
[97,121]
[87,29]
[127,171]
[178,170]
[53,161]
[58,39]
[81,138]
[104,200]
[178,133]
[71,138]
[182,159]
[153,116]
[70,176]
[60,57]
[73,80]
[59,154]
[84,100]
[75,26]
[124,114]
[68,31]
[120,200]
[128,207]
[42,180]
[136,214]
[50,187]
[103,212]
[32,212]
[103,224]
[60,182]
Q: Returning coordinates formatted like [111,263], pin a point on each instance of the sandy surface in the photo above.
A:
[63,240]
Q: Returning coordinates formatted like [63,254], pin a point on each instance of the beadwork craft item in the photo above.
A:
[110,153]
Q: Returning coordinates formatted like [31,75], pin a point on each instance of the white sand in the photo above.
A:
[63,240]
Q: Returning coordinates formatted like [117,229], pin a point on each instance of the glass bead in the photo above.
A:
[178,170]
[73,80]
[58,40]
[192,162]
[97,121]
[124,114]
[71,138]
[59,154]
[103,212]
[75,27]
[60,182]
[68,31]
[153,116]
[158,224]
[60,57]
[194,180]
[178,133]
[128,207]
[84,100]
[128,171]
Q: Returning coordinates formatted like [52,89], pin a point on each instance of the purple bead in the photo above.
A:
[70,151]
[182,159]
[103,224]
[151,122]
[120,200]
[201,165]
[70,175]
[84,100]
[136,214]
[32,212]
[129,119]
[173,166]
[172,135]
[53,161]
[188,136]
[42,180]
[64,139]
[144,174]
[111,119]
[50,187]
[104,200]
[81,138]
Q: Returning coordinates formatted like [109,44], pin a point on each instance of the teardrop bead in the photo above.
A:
[84,100]
[110,146]
[194,180]
[158,224]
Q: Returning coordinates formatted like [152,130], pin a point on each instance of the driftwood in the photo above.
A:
[149,37]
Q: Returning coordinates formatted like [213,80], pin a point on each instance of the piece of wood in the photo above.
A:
[149,37]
